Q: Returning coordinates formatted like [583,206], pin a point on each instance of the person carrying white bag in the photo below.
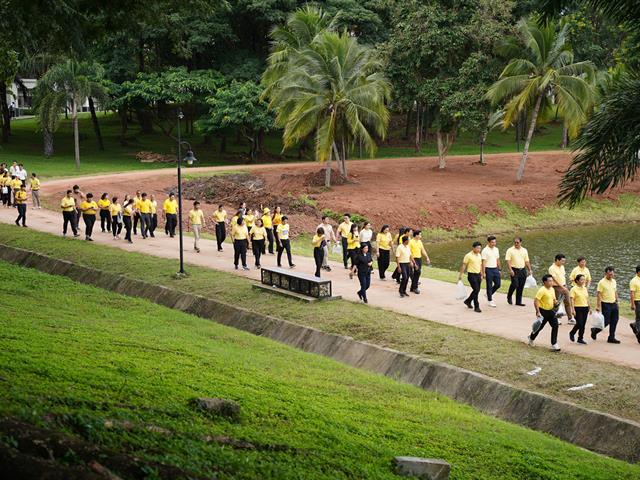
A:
[634,286]
[545,303]
[608,304]
[517,258]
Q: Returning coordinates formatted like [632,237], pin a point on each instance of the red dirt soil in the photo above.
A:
[398,191]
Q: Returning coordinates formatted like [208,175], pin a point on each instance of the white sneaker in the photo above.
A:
[571,321]
[555,348]
[492,304]
[529,340]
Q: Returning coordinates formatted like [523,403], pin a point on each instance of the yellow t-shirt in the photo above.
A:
[316,241]
[403,254]
[20,196]
[277,219]
[144,206]
[35,183]
[136,202]
[266,221]
[128,210]
[154,207]
[15,184]
[415,245]
[104,204]
[283,231]
[258,233]
[546,297]
[353,241]
[634,286]
[89,208]
[558,273]
[580,296]
[344,228]
[240,232]
[384,241]
[473,261]
[170,206]
[580,271]
[517,256]
[607,290]
[196,217]
[68,204]
[249,219]
[220,215]
[114,209]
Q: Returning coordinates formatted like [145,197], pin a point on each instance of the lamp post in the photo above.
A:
[190,159]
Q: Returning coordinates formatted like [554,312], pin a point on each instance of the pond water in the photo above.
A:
[602,245]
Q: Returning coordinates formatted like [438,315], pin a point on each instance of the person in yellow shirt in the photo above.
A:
[405,263]
[34,184]
[383,243]
[154,216]
[170,209]
[15,185]
[353,242]
[20,198]
[268,226]
[196,223]
[418,252]
[220,219]
[5,188]
[258,235]
[342,233]
[68,206]
[581,269]
[634,286]
[249,218]
[105,215]
[472,262]
[115,211]
[607,303]
[144,211]
[318,243]
[283,240]
[580,307]
[276,220]
[240,243]
[545,304]
[517,258]
[136,211]
[89,209]
[557,271]
[128,211]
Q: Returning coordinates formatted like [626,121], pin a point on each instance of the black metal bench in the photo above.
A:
[307,287]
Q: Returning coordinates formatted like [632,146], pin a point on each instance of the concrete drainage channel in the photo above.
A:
[596,431]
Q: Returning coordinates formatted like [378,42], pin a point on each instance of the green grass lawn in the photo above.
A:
[617,389]
[84,356]
[25,146]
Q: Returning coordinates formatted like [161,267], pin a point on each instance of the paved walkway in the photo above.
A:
[436,302]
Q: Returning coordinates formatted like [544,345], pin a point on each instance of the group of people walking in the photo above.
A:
[13,190]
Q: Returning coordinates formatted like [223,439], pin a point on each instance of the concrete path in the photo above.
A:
[436,302]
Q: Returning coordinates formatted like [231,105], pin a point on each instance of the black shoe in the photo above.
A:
[328,269]
[581,341]
[477,310]
[520,305]
[17,223]
[152,235]
[279,266]
[416,291]
[467,303]
[613,340]
[594,333]
[633,328]
[364,299]
[89,239]
[360,295]
[572,336]
[402,295]
[509,301]
[293,265]
[76,234]
[103,230]
[346,267]
[236,266]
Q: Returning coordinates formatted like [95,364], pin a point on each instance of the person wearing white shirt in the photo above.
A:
[13,169]
[366,234]
[22,174]
[491,267]
[329,237]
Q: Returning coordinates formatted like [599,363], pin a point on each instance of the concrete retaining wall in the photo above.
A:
[589,429]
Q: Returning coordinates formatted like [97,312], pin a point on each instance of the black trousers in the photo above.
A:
[221,234]
[383,261]
[364,277]
[127,226]
[171,223]
[353,253]
[258,250]
[345,252]
[270,239]
[318,257]
[282,246]
[145,224]
[475,280]
[89,220]
[136,219]
[116,227]
[153,224]
[548,316]
[240,252]
[405,273]
[581,321]
[22,213]
[69,218]
[611,315]
[415,275]
[492,279]
[6,197]
[105,221]
[517,284]
[637,322]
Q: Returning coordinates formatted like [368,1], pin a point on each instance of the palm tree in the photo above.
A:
[71,80]
[546,77]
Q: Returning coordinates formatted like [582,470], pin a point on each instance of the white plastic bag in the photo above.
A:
[530,282]
[461,291]
[336,249]
[535,326]
[561,312]
[597,320]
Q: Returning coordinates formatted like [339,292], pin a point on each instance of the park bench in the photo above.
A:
[299,285]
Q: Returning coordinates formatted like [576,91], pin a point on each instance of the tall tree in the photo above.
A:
[545,77]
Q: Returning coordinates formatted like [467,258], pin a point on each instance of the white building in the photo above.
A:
[19,100]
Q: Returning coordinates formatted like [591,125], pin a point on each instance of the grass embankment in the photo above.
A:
[83,356]
[25,146]
[617,389]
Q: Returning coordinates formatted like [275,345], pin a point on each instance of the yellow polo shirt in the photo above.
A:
[546,297]
[384,241]
[580,271]
[353,241]
[114,209]
[266,221]
[144,206]
[403,254]
[128,211]
[68,204]
[258,233]
[35,183]
[220,215]
[316,241]
[415,246]
[559,274]
[277,219]
[15,184]
[89,208]
[634,286]
[241,232]
[580,296]
[249,219]
[473,261]
[20,196]
[607,290]
[104,204]
[170,206]
[196,217]
[517,256]
[344,228]
[283,231]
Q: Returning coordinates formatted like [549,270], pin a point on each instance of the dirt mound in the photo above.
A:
[153,157]
[313,179]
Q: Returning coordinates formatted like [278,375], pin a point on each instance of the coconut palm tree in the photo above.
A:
[544,77]
[71,80]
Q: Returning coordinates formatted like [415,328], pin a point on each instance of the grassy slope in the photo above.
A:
[617,389]
[143,363]
[26,147]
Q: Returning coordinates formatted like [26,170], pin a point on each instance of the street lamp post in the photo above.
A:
[189,158]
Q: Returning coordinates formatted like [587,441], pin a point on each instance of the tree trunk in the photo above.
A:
[96,125]
[565,137]
[223,144]
[407,125]
[532,127]
[445,140]
[76,133]
[145,122]
[47,140]
[339,160]
[327,173]
[6,114]
[261,148]
[344,160]
[483,139]
[418,129]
